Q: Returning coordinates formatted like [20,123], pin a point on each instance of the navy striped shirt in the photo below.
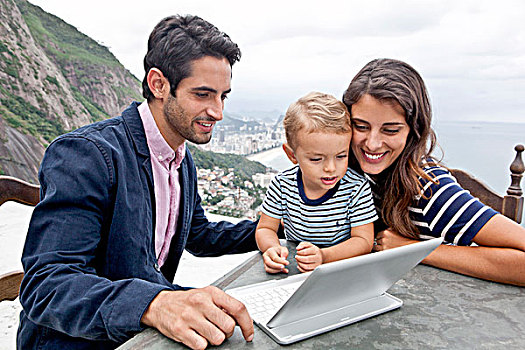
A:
[447,210]
[325,221]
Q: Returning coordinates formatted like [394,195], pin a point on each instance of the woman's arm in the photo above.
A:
[499,256]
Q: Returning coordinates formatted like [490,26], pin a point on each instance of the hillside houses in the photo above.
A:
[223,193]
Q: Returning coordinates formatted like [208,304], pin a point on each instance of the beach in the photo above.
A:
[14,221]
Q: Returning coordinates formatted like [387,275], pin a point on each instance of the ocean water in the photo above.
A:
[484,149]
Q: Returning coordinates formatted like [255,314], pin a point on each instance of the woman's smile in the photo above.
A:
[380,133]
[373,157]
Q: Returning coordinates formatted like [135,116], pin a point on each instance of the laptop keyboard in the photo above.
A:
[262,305]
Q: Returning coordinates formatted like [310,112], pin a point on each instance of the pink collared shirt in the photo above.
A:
[165,163]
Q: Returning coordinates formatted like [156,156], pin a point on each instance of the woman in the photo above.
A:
[416,197]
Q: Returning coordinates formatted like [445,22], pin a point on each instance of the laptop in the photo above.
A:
[333,295]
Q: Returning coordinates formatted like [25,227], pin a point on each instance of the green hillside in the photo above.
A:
[243,167]
[54,79]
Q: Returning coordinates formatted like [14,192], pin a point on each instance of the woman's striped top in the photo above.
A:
[325,221]
[447,210]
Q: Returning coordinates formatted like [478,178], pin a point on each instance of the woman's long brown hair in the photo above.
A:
[393,81]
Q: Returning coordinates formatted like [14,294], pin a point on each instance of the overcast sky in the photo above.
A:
[470,53]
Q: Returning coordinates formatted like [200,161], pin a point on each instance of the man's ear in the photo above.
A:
[158,83]
[289,152]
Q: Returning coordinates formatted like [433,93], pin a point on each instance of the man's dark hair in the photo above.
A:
[177,41]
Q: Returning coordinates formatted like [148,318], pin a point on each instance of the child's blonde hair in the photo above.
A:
[316,112]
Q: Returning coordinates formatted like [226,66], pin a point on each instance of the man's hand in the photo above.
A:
[389,238]
[197,317]
[308,257]
[275,259]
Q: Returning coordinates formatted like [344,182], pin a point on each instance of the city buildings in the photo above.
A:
[246,139]
[222,191]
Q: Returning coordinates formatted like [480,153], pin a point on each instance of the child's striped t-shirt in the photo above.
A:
[325,221]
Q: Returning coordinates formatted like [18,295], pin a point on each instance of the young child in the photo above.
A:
[324,204]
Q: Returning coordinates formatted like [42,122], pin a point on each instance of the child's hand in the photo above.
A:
[308,257]
[275,259]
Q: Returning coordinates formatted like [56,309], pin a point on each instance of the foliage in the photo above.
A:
[96,112]
[213,200]
[10,62]
[62,40]
[243,167]
[243,170]
[72,50]
[75,54]
[20,114]
[231,212]
[258,201]
[52,80]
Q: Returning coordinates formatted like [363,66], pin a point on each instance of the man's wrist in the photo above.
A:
[147,318]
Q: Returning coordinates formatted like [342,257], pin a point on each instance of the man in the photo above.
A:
[119,204]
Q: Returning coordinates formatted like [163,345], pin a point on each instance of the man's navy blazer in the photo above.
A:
[89,257]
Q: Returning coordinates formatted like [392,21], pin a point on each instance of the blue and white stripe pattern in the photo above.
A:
[325,221]
[447,210]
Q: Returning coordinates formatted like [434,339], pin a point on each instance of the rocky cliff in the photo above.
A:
[53,79]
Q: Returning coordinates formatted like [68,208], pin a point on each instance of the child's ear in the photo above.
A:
[289,152]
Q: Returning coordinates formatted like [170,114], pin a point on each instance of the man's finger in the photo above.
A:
[193,340]
[206,318]
[185,317]
[211,332]
[220,326]
[237,310]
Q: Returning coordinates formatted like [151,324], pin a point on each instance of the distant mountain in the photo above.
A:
[53,79]
[279,121]
[262,116]
[235,122]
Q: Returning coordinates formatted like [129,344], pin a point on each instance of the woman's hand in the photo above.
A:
[275,259]
[308,257]
[389,238]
